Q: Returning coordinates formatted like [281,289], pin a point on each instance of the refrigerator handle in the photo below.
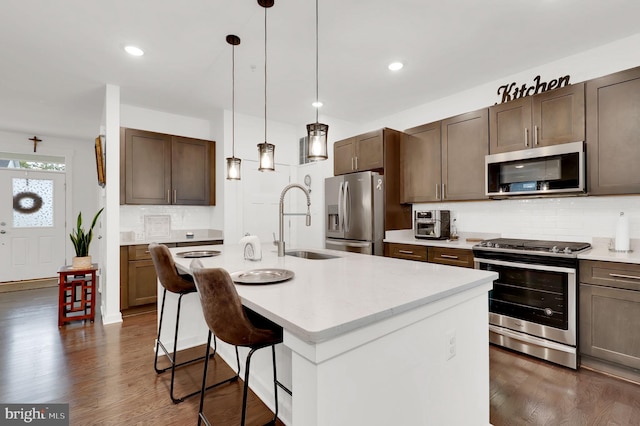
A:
[346,203]
[340,207]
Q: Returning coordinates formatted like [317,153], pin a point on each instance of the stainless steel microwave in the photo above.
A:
[544,171]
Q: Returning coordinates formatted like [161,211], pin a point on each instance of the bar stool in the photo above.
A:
[235,324]
[180,284]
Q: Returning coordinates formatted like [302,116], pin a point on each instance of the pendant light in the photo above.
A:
[233,163]
[265,149]
[317,132]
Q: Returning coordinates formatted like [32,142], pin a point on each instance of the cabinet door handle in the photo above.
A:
[437,197]
[448,256]
[147,252]
[535,135]
[632,277]
[356,164]
[405,251]
[175,196]
[444,194]
[168,196]
[352,167]
[526,136]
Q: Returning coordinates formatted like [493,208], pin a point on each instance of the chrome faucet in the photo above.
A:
[280,241]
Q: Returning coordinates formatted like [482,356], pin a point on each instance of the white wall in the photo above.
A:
[249,132]
[573,218]
[82,180]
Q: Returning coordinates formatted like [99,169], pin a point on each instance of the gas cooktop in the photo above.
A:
[534,246]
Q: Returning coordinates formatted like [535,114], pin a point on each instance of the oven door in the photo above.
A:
[538,300]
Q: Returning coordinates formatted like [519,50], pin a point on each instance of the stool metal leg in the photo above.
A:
[275,384]
[201,415]
[172,356]
[246,385]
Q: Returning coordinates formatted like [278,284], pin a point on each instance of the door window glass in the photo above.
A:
[32,203]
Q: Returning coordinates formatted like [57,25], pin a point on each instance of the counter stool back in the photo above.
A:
[235,324]
[180,284]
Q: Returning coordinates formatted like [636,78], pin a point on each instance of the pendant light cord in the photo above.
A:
[233,101]
[317,108]
[265,74]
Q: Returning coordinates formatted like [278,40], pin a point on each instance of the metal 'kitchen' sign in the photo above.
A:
[511,91]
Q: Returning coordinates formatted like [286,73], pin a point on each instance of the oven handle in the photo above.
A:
[532,339]
[478,261]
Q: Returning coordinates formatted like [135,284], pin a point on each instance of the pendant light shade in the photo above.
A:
[317,132]
[317,141]
[266,154]
[266,160]
[233,163]
[233,168]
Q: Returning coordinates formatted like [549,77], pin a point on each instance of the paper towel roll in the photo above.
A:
[252,248]
[622,233]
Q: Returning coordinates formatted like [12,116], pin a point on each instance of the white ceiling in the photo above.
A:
[57,56]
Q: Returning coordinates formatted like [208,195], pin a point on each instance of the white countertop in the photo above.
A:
[329,297]
[600,251]
[464,241]
[128,238]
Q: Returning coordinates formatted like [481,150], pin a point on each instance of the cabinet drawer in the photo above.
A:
[141,251]
[451,256]
[610,274]
[406,251]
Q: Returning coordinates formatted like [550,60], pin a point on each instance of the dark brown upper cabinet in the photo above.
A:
[549,118]
[161,169]
[359,153]
[378,151]
[465,142]
[613,133]
[444,160]
[420,168]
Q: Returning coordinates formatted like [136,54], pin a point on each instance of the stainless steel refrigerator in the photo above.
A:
[354,213]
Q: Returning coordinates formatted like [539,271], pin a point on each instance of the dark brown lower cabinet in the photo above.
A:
[451,256]
[138,279]
[406,251]
[609,312]
[443,255]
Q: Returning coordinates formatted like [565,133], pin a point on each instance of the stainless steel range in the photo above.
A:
[532,307]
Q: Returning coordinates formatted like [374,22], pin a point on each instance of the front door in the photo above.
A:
[32,224]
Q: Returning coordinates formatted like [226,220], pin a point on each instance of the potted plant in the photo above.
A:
[81,240]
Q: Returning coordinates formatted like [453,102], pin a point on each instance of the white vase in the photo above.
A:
[81,262]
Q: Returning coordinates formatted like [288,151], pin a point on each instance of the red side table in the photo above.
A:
[77,288]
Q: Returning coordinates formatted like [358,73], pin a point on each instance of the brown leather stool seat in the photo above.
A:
[180,284]
[235,324]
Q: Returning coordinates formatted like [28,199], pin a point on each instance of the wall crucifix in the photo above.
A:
[35,142]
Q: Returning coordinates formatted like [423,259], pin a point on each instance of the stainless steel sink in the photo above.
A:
[310,255]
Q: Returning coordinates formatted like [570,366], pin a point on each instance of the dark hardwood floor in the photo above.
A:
[528,391]
[106,375]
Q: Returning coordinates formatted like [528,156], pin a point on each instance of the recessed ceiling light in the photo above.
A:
[134,51]
[317,104]
[395,66]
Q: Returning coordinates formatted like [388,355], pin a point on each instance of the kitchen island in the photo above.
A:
[367,339]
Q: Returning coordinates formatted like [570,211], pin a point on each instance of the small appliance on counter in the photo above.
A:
[252,248]
[432,224]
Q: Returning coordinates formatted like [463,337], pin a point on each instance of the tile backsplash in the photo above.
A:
[566,218]
[132,218]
